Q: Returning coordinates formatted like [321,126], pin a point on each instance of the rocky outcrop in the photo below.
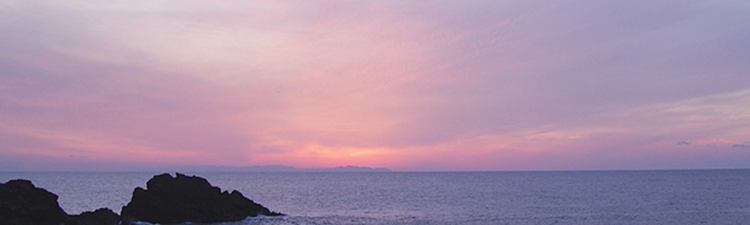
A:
[180,199]
[103,216]
[166,200]
[21,203]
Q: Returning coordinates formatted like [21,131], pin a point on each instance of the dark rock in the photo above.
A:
[21,203]
[166,200]
[101,216]
[180,199]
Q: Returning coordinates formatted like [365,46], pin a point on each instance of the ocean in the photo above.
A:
[713,197]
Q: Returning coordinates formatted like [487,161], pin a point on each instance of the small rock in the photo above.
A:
[103,216]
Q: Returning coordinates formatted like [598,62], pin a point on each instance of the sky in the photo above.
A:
[408,85]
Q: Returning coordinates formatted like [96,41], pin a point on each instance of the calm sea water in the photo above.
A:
[635,197]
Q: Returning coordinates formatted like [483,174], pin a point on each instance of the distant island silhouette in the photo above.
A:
[281,168]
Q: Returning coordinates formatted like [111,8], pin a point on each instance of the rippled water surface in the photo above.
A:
[638,197]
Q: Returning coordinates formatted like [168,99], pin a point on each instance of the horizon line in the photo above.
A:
[323,170]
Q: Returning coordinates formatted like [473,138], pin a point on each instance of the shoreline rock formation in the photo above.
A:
[165,200]
[179,199]
[22,203]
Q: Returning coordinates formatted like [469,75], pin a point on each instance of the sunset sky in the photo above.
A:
[408,85]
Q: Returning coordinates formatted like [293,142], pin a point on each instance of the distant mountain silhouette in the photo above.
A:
[350,169]
[281,168]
